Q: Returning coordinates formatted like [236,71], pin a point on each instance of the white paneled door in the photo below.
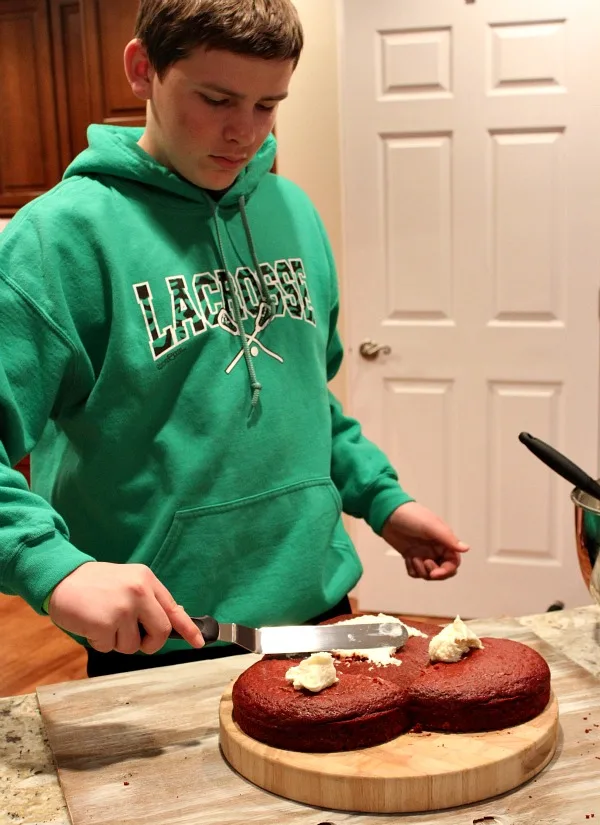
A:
[471,166]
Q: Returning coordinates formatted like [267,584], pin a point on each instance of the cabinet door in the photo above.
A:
[29,156]
[70,78]
[108,27]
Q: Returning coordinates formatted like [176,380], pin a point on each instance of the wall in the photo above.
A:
[308,127]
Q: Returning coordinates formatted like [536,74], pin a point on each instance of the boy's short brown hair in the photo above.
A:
[170,29]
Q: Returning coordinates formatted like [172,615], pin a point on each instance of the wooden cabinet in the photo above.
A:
[61,68]
[29,154]
[73,111]
[108,26]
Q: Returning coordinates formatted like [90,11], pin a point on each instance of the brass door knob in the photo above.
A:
[370,350]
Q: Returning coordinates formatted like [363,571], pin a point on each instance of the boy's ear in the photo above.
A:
[138,69]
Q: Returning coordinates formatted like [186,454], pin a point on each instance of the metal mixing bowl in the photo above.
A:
[587,538]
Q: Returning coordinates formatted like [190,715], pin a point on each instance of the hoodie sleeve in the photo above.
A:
[367,482]
[37,377]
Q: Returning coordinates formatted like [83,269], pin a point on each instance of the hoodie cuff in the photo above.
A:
[384,503]
[35,570]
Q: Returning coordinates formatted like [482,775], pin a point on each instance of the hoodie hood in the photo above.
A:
[114,151]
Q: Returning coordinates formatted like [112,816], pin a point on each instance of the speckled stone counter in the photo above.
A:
[29,790]
[575,633]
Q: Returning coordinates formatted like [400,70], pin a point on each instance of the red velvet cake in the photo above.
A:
[359,711]
[504,684]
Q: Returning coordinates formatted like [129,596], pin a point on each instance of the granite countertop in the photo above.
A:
[29,790]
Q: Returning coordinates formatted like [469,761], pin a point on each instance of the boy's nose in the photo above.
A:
[240,129]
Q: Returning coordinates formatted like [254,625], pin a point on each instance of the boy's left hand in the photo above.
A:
[429,547]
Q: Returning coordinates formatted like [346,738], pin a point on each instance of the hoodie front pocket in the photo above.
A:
[276,557]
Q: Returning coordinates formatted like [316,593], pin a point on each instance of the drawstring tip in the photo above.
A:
[256,388]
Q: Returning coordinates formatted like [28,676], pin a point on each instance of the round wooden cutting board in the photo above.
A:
[414,772]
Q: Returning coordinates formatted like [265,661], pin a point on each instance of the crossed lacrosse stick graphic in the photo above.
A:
[262,320]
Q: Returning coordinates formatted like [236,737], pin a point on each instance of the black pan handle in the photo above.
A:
[561,464]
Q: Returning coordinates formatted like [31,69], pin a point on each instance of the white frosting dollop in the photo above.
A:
[315,673]
[452,642]
[379,655]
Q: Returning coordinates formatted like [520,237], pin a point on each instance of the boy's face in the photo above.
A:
[210,113]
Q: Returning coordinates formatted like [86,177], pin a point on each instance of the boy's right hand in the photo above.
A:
[105,603]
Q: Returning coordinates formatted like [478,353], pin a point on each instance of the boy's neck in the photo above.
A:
[217,194]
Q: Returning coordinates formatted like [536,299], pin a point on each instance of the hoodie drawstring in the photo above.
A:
[269,299]
[266,297]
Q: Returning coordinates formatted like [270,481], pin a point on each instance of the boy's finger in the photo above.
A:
[445,570]
[154,625]
[179,619]
[420,568]
[182,623]
[103,643]
[430,565]
[128,638]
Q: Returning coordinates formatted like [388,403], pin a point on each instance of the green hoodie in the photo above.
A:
[165,359]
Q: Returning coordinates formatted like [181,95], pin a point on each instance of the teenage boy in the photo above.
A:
[168,328]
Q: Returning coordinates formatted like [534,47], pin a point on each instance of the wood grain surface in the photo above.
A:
[144,748]
[413,772]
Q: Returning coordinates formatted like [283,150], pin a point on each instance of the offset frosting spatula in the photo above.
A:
[301,638]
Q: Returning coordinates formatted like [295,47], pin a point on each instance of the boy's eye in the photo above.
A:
[224,101]
[212,101]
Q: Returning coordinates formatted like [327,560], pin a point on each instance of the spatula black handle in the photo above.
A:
[207,625]
[561,464]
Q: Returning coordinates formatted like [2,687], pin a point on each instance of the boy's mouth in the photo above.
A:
[228,162]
